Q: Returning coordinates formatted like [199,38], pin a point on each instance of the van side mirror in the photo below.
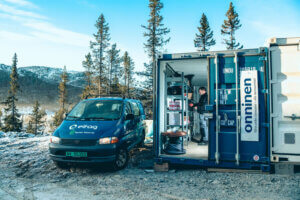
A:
[66,115]
[129,117]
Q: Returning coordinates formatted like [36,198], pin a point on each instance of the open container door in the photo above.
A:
[285,90]
[187,72]
[238,91]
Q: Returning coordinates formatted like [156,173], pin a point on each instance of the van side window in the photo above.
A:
[135,109]
[127,109]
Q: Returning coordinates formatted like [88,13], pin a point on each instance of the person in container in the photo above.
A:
[200,107]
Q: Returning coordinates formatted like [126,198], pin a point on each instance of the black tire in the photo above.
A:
[122,158]
[61,165]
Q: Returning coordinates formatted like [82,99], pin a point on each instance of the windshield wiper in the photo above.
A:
[96,118]
[75,117]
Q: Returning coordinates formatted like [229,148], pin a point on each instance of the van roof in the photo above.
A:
[112,98]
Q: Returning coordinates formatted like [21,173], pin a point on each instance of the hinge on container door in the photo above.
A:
[273,115]
[265,91]
[263,58]
[235,57]
[216,59]
[266,125]
[262,50]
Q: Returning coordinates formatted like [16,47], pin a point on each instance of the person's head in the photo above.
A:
[202,90]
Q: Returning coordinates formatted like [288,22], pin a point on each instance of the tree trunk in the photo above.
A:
[231,42]
[110,77]
[100,70]
[13,112]
[35,130]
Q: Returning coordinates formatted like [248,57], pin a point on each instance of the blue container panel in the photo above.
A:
[227,74]
[227,109]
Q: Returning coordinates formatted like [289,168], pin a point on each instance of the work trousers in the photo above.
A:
[203,127]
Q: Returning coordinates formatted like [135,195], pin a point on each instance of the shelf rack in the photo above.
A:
[182,82]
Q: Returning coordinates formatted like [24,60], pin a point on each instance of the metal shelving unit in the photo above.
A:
[183,111]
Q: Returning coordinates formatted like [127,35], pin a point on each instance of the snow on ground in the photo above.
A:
[26,172]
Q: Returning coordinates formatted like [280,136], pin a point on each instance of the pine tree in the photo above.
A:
[230,26]
[155,34]
[30,128]
[128,72]
[1,118]
[99,47]
[36,119]
[12,118]
[114,61]
[59,115]
[204,40]
[88,65]
[63,89]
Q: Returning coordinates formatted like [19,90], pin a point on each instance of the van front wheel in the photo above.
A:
[122,158]
[61,165]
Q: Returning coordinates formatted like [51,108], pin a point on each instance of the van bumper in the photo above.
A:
[95,154]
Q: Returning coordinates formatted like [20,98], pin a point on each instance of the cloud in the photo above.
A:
[275,30]
[11,17]
[51,33]
[39,28]
[18,12]
[15,36]
[22,3]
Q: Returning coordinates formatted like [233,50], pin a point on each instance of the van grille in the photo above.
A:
[75,142]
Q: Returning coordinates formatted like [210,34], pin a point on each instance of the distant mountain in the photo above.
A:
[48,74]
[41,83]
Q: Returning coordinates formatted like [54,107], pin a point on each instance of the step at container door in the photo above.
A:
[238,93]
[285,88]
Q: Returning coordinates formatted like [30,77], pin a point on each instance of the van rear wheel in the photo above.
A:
[122,158]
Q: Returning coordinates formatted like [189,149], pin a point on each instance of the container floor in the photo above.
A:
[193,151]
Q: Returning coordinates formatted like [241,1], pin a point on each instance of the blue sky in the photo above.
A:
[57,32]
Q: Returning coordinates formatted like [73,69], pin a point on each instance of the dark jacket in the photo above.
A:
[201,104]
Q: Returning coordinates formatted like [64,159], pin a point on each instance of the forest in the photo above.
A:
[107,72]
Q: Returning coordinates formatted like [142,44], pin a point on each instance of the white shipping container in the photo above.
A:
[284,56]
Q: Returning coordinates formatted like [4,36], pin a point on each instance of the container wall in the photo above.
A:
[285,88]
[237,83]
[238,93]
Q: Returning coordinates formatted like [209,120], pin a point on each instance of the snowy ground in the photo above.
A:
[27,173]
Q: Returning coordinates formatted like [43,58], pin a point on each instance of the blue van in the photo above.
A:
[99,130]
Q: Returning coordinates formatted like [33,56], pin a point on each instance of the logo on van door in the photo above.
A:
[74,126]
[249,106]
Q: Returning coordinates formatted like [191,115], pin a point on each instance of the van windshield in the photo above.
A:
[96,110]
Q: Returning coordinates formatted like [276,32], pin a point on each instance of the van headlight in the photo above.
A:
[108,140]
[54,139]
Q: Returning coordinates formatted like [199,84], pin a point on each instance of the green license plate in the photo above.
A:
[76,154]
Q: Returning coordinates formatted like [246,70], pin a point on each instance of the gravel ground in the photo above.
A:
[26,172]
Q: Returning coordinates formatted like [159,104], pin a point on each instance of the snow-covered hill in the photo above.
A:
[41,83]
[48,74]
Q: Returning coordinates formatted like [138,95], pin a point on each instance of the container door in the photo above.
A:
[285,88]
[238,91]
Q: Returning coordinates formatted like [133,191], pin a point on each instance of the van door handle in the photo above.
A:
[293,117]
